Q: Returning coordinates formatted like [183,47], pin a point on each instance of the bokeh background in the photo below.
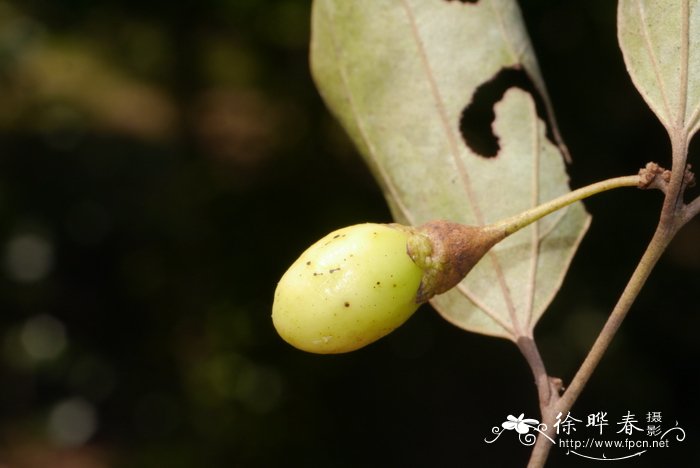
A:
[161,163]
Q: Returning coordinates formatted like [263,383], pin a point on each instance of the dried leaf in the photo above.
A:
[398,75]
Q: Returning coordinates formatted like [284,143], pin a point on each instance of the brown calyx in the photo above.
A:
[452,251]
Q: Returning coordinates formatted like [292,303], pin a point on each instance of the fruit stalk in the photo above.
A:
[519,221]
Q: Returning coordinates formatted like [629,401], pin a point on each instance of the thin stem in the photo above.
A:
[691,210]
[519,221]
[671,220]
[668,225]
[547,387]
[546,393]
[651,256]
[657,245]
[540,452]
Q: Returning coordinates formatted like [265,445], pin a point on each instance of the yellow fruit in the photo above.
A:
[347,290]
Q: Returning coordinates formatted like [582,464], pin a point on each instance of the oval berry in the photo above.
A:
[347,290]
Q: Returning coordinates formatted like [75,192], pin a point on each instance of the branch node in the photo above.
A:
[557,385]
[653,176]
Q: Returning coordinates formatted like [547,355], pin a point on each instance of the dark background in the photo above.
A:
[161,163]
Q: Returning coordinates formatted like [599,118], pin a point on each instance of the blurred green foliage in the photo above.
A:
[161,163]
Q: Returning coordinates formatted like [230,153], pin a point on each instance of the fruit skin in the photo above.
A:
[347,290]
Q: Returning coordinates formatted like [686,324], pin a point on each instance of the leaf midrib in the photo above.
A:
[459,163]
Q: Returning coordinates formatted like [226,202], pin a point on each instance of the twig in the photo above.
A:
[674,215]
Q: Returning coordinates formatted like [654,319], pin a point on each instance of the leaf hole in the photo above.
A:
[478,116]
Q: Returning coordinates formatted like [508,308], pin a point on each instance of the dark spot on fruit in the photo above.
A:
[333,270]
[309,262]
[336,236]
[378,283]
[347,304]
[318,274]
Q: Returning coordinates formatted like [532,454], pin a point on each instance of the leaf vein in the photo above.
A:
[653,59]
[454,151]
[452,139]
[535,228]
[486,309]
[384,175]
[684,65]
